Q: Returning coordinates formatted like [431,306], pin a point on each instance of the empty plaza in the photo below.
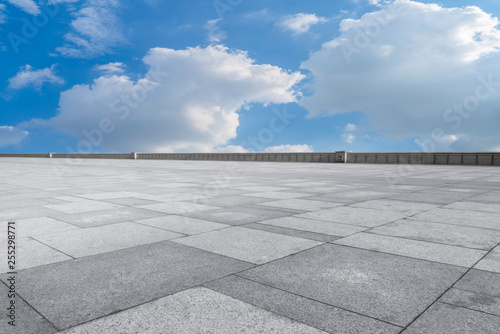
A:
[155,246]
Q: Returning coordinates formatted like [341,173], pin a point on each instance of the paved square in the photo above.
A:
[164,246]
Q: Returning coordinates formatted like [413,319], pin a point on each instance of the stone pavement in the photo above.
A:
[146,246]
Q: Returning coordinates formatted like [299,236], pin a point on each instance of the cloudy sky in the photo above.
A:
[241,75]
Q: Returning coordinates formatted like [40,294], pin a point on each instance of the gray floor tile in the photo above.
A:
[461,217]
[292,232]
[235,200]
[457,256]
[489,197]
[106,217]
[279,195]
[27,320]
[36,226]
[177,208]
[407,208]
[241,214]
[181,224]
[387,287]
[448,319]
[30,253]
[96,240]
[441,197]
[463,236]
[354,216]
[319,315]
[92,287]
[316,226]
[301,204]
[83,206]
[491,262]
[475,206]
[198,310]
[248,244]
[472,300]
[130,201]
[480,281]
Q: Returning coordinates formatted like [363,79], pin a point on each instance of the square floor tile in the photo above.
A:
[387,287]
[414,248]
[241,214]
[491,262]
[130,201]
[177,208]
[28,321]
[83,206]
[307,311]
[483,282]
[181,224]
[36,226]
[73,292]
[472,300]
[354,216]
[293,232]
[461,217]
[278,194]
[237,200]
[448,319]
[197,310]
[106,217]
[463,236]
[30,253]
[301,204]
[475,206]
[407,208]
[247,244]
[316,226]
[95,240]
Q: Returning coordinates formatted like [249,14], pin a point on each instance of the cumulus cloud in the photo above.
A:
[414,70]
[95,30]
[29,77]
[214,33]
[289,148]
[3,16]
[29,6]
[10,135]
[230,149]
[347,133]
[300,23]
[187,102]
[111,68]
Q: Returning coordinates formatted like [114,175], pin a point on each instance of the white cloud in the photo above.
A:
[10,135]
[29,6]
[300,23]
[27,77]
[53,2]
[112,68]
[95,30]
[230,149]
[350,127]
[214,33]
[3,16]
[289,148]
[406,65]
[192,109]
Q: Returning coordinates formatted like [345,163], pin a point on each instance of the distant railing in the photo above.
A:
[438,158]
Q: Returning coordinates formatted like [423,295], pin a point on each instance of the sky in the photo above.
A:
[249,76]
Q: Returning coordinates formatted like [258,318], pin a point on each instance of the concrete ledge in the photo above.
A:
[438,158]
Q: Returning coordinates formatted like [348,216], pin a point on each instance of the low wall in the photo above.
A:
[438,158]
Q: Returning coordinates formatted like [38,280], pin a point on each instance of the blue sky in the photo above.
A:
[237,76]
